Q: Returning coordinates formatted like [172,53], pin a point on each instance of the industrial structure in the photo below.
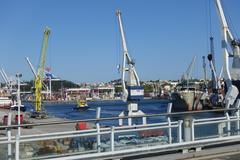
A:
[231,74]
[40,74]
[181,135]
[132,91]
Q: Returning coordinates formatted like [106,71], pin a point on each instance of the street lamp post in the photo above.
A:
[18,75]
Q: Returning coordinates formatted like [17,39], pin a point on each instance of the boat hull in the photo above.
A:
[186,101]
[81,108]
[5,103]
[15,108]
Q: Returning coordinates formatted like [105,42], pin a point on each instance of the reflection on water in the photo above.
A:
[108,109]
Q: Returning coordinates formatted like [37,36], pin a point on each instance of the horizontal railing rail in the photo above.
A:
[108,140]
[116,118]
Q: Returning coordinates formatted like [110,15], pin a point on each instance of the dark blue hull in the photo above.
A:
[81,108]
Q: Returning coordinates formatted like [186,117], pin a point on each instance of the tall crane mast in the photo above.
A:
[204,72]
[215,80]
[231,74]
[40,72]
[132,90]
[211,58]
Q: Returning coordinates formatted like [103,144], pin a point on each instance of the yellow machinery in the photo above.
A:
[40,73]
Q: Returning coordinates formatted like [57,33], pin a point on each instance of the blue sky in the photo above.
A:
[85,45]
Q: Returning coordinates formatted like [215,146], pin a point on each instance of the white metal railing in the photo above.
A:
[174,135]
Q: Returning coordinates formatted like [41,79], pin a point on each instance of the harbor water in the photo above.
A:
[114,108]
[122,140]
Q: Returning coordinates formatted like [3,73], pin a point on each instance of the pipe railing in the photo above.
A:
[117,118]
[112,132]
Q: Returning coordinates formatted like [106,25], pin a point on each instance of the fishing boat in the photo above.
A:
[5,102]
[15,107]
[187,99]
[188,93]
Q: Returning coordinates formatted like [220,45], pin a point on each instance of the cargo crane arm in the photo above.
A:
[8,81]
[132,90]
[34,72]
[190,68]
[186,76]
[231,75]
[133,79]
[31,67]
[5,78]
[40,72]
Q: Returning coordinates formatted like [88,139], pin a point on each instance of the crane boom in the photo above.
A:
[40,72]
[231,75]
[133,92]
[187,74]
[35,73]
[132,74]
[4,78]
[31,66]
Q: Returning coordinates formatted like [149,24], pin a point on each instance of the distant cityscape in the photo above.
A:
[70,91]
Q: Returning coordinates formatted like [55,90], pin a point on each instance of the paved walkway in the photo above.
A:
[231,152]
[40,129]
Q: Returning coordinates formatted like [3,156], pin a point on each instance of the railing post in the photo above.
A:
[187,128]
[98,129]
[221,125]
[169,130]
[192,130]
[228,118]
[237,115]
[17,147]
[228,124]
[9,155]
[144,119]
[129,121]
[180,131]
[169,110]
[120,121]
[112,138]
